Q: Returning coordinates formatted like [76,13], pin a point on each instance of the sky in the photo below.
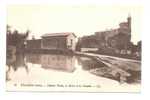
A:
[80,19]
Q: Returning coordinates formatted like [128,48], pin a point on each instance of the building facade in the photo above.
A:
[118,38]
[123,32]
[61,41]
[109,41]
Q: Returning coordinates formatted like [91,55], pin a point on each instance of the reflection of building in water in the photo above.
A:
[33,58]
[60,62]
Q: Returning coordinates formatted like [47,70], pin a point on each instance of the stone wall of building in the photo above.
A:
[54,43]
[113,39]
[117,37]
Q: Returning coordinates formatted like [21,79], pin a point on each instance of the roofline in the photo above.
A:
[33,39]
[74,35]
[60,35]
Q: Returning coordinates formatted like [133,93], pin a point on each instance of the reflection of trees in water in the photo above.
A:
[15,48]
[14,62]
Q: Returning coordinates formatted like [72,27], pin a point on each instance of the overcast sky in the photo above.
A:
[80,19]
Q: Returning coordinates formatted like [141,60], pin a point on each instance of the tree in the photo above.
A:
[78,45]
[16,38]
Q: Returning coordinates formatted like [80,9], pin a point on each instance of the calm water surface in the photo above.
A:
[53,69]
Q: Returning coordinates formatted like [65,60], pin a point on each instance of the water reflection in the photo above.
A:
[14,62]
[60,62]
[99,68]
[89,63]
[33,58]
[120,71]
[55,63]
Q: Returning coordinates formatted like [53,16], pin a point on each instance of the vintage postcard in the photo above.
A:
[73,48]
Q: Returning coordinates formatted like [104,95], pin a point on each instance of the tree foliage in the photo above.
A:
[15,38]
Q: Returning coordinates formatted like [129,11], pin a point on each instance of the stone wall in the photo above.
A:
[54,43]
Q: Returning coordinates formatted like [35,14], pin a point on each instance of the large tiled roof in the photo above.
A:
[57,34]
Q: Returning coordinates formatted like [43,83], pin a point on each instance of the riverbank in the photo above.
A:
[69,52]
[127,56]
[52,51]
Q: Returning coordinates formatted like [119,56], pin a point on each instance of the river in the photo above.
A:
[53,72]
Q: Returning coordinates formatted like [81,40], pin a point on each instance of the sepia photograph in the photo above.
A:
[73,48]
